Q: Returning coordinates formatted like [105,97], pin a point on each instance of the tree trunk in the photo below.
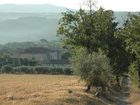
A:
[118,82]
[88,88]
[139,75]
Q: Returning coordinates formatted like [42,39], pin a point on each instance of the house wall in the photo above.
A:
[40,57]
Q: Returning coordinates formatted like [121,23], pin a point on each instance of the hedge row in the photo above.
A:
[35,70]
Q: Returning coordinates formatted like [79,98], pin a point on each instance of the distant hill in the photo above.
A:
[31,8]
[33,22]
[28,28]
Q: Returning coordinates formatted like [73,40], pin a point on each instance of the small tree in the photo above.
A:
[94,68]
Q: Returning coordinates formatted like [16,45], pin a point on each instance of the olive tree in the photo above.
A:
[93,68]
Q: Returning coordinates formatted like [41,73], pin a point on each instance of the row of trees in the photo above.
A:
[35,70]
[101,49]
[17,61]
[20,46]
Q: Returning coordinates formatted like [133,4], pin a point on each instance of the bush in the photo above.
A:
[57,71]
[93,68]
[133,71]
[68,71]
[7,69]
[41,70]
[23,70]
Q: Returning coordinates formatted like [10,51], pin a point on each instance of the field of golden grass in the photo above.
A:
[52,90]
[44,90]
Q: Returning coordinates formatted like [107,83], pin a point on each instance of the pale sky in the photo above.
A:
[116,5]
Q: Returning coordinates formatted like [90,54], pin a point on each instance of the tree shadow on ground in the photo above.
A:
[82,99]
[113,97]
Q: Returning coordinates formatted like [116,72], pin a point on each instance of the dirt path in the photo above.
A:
[123,99]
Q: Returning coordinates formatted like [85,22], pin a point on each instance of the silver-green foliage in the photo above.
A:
[94,68]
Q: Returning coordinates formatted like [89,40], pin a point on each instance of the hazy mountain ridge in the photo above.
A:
[31,8]
[30,24]
[28,27]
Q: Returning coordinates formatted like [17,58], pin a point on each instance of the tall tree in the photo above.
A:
[89,29]
[130,33]
[94,31]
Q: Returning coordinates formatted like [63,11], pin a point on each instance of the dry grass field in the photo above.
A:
[51,90]
[44,90]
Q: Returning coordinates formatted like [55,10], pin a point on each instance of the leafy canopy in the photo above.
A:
[88,29]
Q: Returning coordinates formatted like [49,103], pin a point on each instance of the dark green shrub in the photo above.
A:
[7,69]
[57,71]
[94,68]
[41,70]
[36,70]
[23,70]
[68,71]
